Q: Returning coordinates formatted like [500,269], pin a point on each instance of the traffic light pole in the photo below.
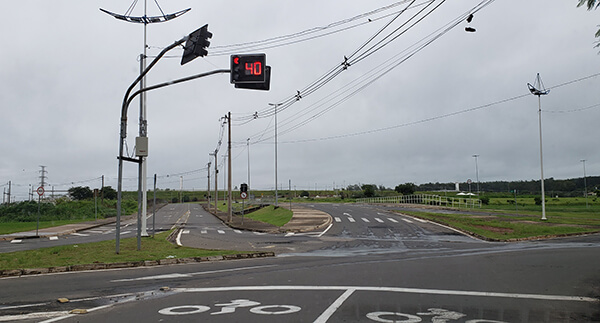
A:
[123,128]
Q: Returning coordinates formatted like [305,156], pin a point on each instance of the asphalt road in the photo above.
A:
[369,266]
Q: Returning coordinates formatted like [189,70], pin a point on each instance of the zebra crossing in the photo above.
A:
[378,219]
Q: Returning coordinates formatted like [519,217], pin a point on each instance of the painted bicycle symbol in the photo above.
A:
[231,307]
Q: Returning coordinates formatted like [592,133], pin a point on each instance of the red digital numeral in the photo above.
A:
[254,68]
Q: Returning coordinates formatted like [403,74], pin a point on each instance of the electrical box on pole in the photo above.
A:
[141,146]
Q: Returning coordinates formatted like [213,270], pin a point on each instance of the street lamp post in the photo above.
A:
[585,184]
[477,171]
[539,90]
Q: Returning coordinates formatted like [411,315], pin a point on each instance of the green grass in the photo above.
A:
[103,252]
[276,216]
[503,227]
[12,227]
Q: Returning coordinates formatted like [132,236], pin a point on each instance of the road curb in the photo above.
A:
[129,264]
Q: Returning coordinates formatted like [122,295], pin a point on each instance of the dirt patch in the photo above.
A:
[495,229]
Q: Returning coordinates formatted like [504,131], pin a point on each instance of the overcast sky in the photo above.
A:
[414,115]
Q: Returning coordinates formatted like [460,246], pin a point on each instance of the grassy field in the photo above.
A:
[506,221]
[12,227]
[103,252]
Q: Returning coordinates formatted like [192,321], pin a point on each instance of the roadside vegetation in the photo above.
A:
[103,252]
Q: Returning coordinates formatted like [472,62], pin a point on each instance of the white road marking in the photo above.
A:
[351,220]
[80,234]
[347,214]
[185,231]
[125,232]
[176,275]
[397,290]
[393,220]
[325,231]
[178,240]
[334,306]
[406,220]
[237,231]
[338,219]
[421,220]
[221,231]
[16,241]
[289,234]
[366,220]
[94,231]
[379,220]
[259,233]
[53,238]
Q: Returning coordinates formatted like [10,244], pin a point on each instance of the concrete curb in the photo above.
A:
[131,264]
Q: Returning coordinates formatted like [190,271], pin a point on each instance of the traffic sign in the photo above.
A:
[244,195]
[40,190]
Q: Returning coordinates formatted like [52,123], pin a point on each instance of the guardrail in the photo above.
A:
[426,199]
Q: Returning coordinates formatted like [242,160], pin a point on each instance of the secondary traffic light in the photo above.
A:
[248,68]
[244,188]
[196,44]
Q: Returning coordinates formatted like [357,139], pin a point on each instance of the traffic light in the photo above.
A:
[248,68]
[244,188]
[196,44]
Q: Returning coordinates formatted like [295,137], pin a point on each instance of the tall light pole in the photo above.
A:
[585,184]
[539,90]
[476,171]
[248,147]
[143,131]
[275,105]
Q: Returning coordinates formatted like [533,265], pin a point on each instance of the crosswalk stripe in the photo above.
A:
[393,220]
[80,234]
[203,231]
[351,220]
[407,220]
[53,238]
[379,220]
[338,219]
[237,231]
[221,231]
[366,220]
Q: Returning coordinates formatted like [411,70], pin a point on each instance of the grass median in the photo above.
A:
[103,252]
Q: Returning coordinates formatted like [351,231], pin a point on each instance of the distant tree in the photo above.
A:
[368,190]
[354,187]
[591,4]
[406,189]
[109,193]
[81,193]
[304,194]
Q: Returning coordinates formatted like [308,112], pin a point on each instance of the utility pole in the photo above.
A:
[208,187]
[102,192]
[275,105]
[229,212]
[248,147]
[216,172]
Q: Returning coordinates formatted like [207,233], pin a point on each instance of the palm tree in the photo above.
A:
[591,4]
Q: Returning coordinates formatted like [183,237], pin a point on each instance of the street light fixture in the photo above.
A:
[539,90]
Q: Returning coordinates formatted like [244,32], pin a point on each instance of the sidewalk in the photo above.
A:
[304,219]
[63,229]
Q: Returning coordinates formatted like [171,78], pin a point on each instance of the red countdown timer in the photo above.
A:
[248,68]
